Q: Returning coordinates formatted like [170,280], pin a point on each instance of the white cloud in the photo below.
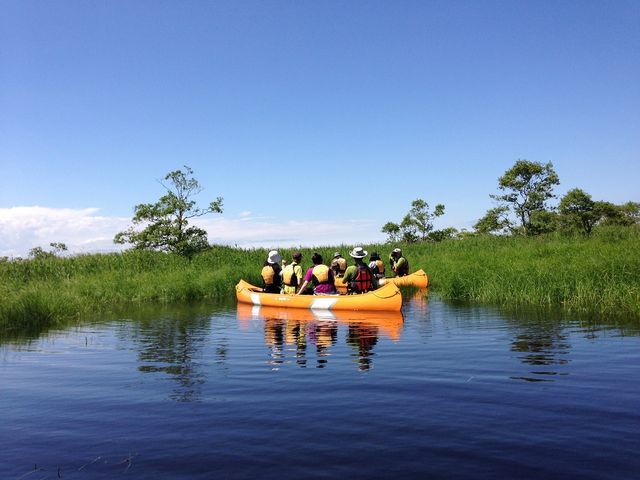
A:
[85,230]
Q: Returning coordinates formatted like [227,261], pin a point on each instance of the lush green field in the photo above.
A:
[599,275]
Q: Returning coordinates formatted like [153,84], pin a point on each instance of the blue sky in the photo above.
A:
[316,121]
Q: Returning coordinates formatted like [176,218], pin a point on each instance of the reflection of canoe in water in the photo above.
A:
[385,298]
[389,323]
[416,279]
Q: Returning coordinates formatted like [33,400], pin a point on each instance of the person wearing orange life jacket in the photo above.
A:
[320,276]
[292,274]
[358,277]
[376,265]
[272,273]
[338,265]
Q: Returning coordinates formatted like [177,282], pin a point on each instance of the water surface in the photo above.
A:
[440,391]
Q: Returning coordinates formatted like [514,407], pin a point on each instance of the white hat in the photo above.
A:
[274,257]
[396,250]
[358,252]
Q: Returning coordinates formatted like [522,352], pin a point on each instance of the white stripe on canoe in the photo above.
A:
[255,298]
[323,303]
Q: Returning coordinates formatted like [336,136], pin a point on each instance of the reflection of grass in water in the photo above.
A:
[597,276]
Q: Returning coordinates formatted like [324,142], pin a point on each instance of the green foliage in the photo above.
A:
[496,220]
[167,221]
[578,211]
[415,225]
[598,275]
[528,186]
[38,253]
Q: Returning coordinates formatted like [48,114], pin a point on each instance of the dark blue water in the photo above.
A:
[445,392]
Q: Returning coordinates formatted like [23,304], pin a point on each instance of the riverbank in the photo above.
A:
[599,275]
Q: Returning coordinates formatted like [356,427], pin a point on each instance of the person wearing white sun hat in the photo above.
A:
[399,264]
[272,273]
[358,277]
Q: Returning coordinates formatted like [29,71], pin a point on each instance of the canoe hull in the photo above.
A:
[416,279]
[386,298]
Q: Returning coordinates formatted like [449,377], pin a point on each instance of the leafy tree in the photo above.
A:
[625,215]
[444,234]
[528,186]
[496,220]
[578,211]
[167,221]
[392,230]
[38,253]
[415,225]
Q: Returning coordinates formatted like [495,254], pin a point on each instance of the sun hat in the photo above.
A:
[358,252]
[337,254]
[396,250]
[274,257]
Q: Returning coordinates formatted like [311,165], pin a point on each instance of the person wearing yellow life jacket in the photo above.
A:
[338,265]
[292,274]
[358,277]
[272,273]
[376,265]
[399,264]
[320,276]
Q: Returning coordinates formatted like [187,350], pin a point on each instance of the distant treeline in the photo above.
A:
[522,208]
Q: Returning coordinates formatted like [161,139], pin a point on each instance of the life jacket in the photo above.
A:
[320,274]
[379,267]
[362,282]
[404,269]
[268,275]
[289,276]
[338,265]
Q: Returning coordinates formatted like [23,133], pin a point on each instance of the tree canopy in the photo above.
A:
[416,225]
[167,221]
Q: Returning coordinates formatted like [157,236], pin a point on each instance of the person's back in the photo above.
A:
[338,265]
[292,275]
[320,276]
[376,265]
[272,273]
[358,277]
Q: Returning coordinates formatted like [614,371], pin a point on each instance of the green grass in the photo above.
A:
[599,275]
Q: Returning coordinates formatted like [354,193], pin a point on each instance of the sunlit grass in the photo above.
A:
[598,275]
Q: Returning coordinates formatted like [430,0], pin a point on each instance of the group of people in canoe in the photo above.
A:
[279,276]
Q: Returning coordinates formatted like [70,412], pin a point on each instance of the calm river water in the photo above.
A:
[210,392]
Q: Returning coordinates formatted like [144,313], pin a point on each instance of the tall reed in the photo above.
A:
[599,274]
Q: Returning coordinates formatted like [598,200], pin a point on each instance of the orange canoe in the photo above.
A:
[385,298]
[416,279]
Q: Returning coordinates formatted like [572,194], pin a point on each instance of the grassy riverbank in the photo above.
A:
[599,275]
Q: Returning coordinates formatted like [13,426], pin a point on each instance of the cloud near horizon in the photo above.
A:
[86,231]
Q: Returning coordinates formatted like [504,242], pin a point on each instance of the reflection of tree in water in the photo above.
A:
[172,344]
[544,345]
[363,338]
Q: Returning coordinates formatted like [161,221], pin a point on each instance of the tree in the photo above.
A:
[39,253]
[167,221]
[392,230]
[528,186]
[578,210]
[415,225]
[496,220]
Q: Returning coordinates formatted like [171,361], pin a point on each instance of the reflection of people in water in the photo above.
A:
[295,335]
[363,338]
[274,337]
[323,334]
